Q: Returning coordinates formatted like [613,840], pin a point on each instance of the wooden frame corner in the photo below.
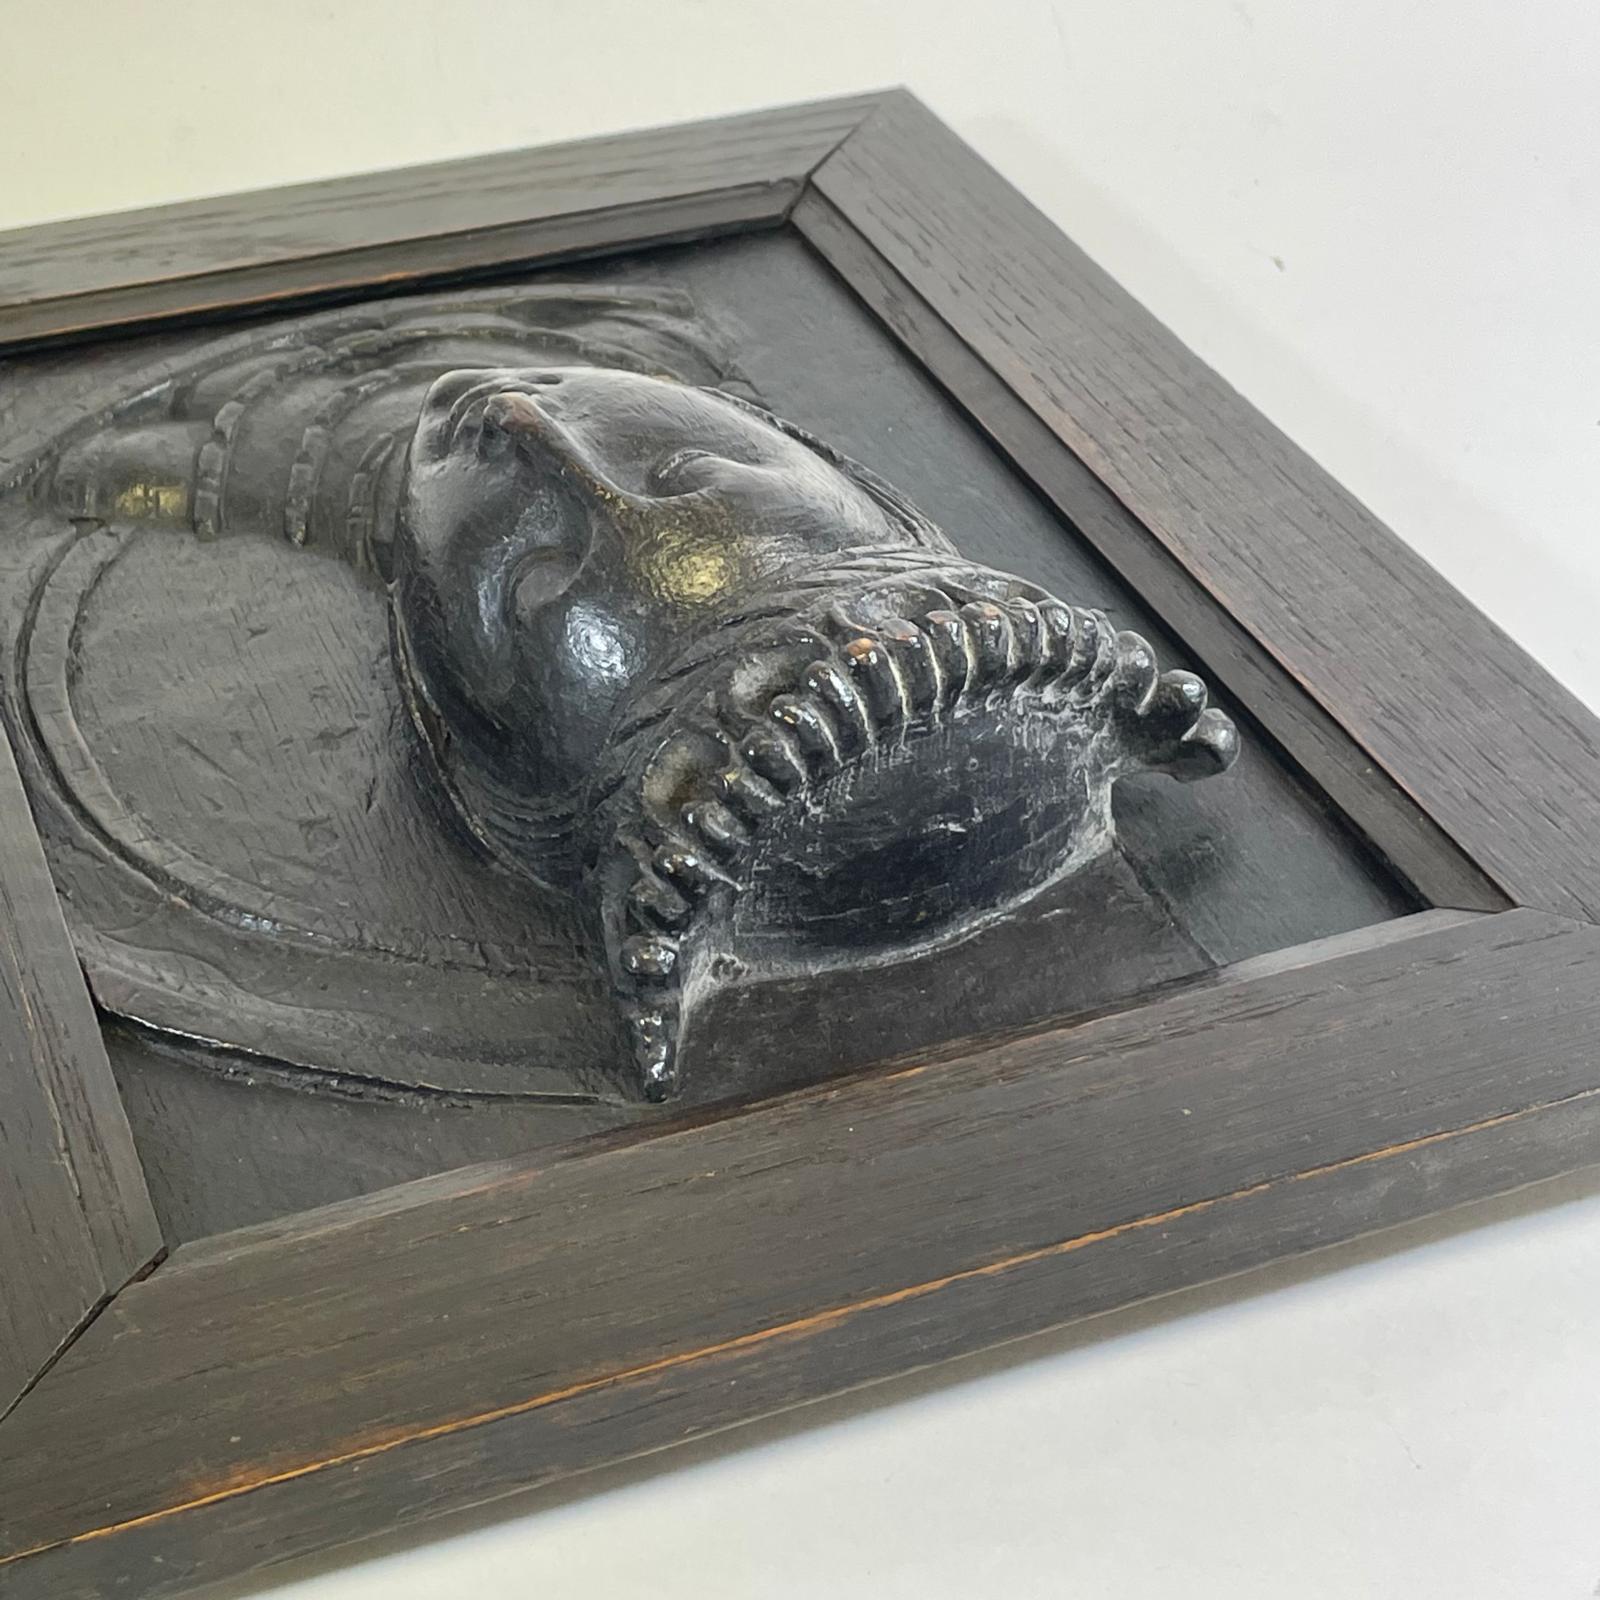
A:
[75,1221]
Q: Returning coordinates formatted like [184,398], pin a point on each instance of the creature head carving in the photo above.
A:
[680,659]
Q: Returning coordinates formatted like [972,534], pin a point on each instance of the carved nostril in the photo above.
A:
[512,409]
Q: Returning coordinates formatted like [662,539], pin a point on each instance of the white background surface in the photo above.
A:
[1380,219]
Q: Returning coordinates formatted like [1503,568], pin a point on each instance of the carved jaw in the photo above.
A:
[871,788]
[681,659]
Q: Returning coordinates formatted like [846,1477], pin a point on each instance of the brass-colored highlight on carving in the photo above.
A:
[140,501]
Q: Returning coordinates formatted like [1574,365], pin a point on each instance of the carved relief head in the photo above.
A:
[678,656]
[722,709]
[566,529]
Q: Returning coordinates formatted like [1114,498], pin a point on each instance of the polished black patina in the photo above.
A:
[681,658]
[702,703]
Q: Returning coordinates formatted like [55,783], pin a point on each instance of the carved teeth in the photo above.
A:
[917,665]
[649,957]
[1028,631]
[1093,651]
[1060,635]
[716,827]
[1135,671]
[1210,746]
[654,902]
[1085,644]
[990,634]
[1194,740]
[655,1051]
[1105,655]
[947,640]
[688,869]
[773,755]
[750,795]
[1179,698]
[872,671]
[849,703]
[810,728]
[852,721]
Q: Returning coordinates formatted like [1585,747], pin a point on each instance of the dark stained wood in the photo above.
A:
[1253,863]
[230,1140]
[75,1221]
[674,1401]
[300,1384]
[264,1390]
[1400,830]
[287,640]
[412,224]
[1504,760]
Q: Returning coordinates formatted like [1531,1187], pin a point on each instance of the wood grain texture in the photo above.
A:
[1504,760]
[265,1392]
[413,224]
[296,1385]
[630,1414]
[75,1221]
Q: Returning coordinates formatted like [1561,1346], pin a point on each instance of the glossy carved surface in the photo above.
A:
[675,654]
[699,697]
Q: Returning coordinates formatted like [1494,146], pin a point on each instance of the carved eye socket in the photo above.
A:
[543,575]
[682,472]
[548,551]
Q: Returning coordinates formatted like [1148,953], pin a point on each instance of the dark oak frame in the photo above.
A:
[298,1385]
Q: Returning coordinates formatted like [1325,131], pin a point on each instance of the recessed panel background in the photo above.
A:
[1202,876]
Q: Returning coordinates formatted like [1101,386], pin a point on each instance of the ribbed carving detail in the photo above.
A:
[867,688]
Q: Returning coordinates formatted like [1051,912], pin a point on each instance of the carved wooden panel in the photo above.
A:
[348,862]
[673,751]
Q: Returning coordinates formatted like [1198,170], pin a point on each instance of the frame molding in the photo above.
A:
[296,1386]
[75,1221]
[1487,744]
[413,225]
